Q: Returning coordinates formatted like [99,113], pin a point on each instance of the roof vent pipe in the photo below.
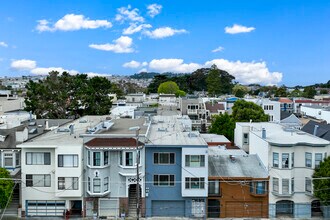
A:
[315,130]
[263,133]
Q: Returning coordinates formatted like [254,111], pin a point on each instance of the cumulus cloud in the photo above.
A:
[120,45]
[218,49]
[127,13]
[3,44]
[154,9]
[72,22]
[248,72]
[244,72]
[134,64]
[134,28]
[236,29]
[23,64]
[164,32]
[173,65]
[46,70]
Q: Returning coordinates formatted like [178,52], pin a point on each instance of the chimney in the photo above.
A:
[263,134]
[315,130]
[71,127]
[46,125]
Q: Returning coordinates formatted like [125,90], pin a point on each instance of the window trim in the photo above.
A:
[44,156]
[275,186]
[201,183]
[61,165]
[287,166]
[170,182]
[96,159]
[308,184]
[29,180]
[278,160]
[308,159]
[315,164]
[170,162]
[74,181]
[201,162]
[106,184]
[94,180]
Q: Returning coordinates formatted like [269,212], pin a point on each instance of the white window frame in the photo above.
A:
[169,182]
[275,184]
[68,183]
[67,160]
[38,180]
[98,185]
[32,158]
[200,160]
[197,181]
[308,159]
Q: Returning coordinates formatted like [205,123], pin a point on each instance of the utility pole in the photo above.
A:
[137,129]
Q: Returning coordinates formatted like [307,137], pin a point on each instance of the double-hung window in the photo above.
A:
[285,186]
[213,187]
[195,182]
[308,185]
[164,158]
[38,180]
[318,159]
[96,158]
[37,158]
[128,158]
[292,160]
[106,184]
[106,157]
[68,183]
[8,159]
[308,159]
[260,187]
[275,184]
[285,160]
[68,160]
[275,160]
[195,160]
[164,180]
[96,185]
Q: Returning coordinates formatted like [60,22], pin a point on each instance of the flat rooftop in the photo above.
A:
[122,125]
[281,135]
[215,138]
[63,136]
[236,166]
[173,130]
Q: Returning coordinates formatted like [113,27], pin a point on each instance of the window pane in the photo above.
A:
[171,180]
[260,189]
[96,159]
[60,160]
[129,159]
[164,158]
[214,187]
[202,160]
[308,159]
[285,160]
[285,186]
[28,158]
[275,184]
[275,159]
[318,159]
[156,180]
[47,158]
[163,180]
[187,160]
[156,158]
[172,158]
[97,185]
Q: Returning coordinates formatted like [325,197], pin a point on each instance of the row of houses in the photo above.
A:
[100,166]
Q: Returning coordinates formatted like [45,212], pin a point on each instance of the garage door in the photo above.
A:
[45,207]
[168,208]
[243,209]
[109,207]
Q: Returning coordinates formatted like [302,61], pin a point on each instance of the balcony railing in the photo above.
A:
[192,111]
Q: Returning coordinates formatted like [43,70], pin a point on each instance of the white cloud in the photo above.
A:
[23,64]
[164,32]
[46,70]
[134,64]
[134,28]
[121,45]
[124,13]
[143,70]
[72,22]
[3,44]
[236,29]
[92,74]
[218,49]
[154,9]
[244,72]
[173,65]
[248,72]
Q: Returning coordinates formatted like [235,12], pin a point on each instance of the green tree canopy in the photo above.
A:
[158,79]
[295,93]
[321,181]
[168,87]
[219,82]
[281,92]
[309,92]
[6,187]
[63,96]
[240,91]
[223,124]
[244,111]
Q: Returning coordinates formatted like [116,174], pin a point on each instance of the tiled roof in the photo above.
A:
[112,142]
[285,100]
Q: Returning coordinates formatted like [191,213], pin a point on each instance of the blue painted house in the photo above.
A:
[176,170]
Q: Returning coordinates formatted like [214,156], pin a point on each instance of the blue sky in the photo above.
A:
[267,42]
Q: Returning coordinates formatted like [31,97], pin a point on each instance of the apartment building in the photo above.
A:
[110,161]
[237,186]
[52,171]
[175,169]
[290,157]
